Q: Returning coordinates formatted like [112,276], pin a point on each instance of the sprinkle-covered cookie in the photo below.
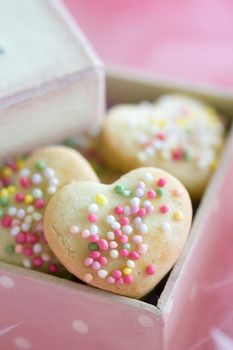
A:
[177,134]
[22,206]
[122,237]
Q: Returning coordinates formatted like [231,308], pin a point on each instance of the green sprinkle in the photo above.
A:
[40,165]
[10,249]
[159,192]
[119,189]
[127,246]
[70,143]
[186,154]
[4,201]
[92,246]
[1,213]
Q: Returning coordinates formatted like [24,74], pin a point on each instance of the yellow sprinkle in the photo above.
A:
[7,172]
[19,163]
[4,192]
[127,271]
[214,164]
[159,122]
[11,189]
[182,123]
[101,199]
[28,199]
[178,215]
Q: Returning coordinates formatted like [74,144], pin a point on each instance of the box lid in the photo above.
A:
[50,75]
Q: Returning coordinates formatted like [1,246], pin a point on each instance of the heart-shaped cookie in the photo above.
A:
[122,237]
[177,134]
[22,240]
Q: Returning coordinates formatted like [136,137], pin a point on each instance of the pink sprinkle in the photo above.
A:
[128,279]
[31,238]
[39,203]
[27,251]
[88,261]
[124,252]
[177,154]
[21,237]
[92,217]
[124,221]
[96,265]
[142,212]
[142,249]
[6,221]
[103,260]
[124,239]
[94,254]
[37,261]
[25,182]
[39,227]
[161,136]
[119,210]
[18,248]
[113,244]
[74,229]
[111,279]
[151,194]
[103,244]
[162,182]
[94,238]
[134,209]
[118,232]
[15,222]
[116,274]
[163,209]
[150,209]
[120,281]
[134,255]
[151,269]
[19,197]
[53,268]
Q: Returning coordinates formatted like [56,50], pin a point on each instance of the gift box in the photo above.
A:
[188,310]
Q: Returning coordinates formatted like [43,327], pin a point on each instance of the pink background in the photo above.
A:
[179,39]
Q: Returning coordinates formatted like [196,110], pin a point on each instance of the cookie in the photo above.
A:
[178,134]
[123,237]
[22,206]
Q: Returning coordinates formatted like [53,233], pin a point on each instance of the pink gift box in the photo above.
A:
[191,311]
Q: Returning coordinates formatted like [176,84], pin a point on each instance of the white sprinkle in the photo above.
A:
[102,273]
[94,229]
[54,181]
[25,226]
[28,219]
[114,254]
[126,193]
[150,151]
[116,225]
[137,239]
[113,244]
[110,219]
[127,210]
[24,172]
[27,263]
[130,263]
[135,201]
[37,216]
[36,179]
[141,185]
[74,229]
[138,220]
[37,248]
[142,249]
[15,230]
[110,236]
[93,208]
[49,172]
[37,193]
[142,156]
[21,213]
[127,229]
[51,189]
[30,209]
[85,233]
[12,211]
[46,257]
[147,203]
[148,177]
[143,228]
[165,226]
[139,192]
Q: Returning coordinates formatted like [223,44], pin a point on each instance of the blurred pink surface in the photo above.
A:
[186,40]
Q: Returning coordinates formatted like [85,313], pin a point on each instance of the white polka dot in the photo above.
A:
[145,321]
[7,282]
[193,292]
[169,306]
[80,326]
[22,343]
